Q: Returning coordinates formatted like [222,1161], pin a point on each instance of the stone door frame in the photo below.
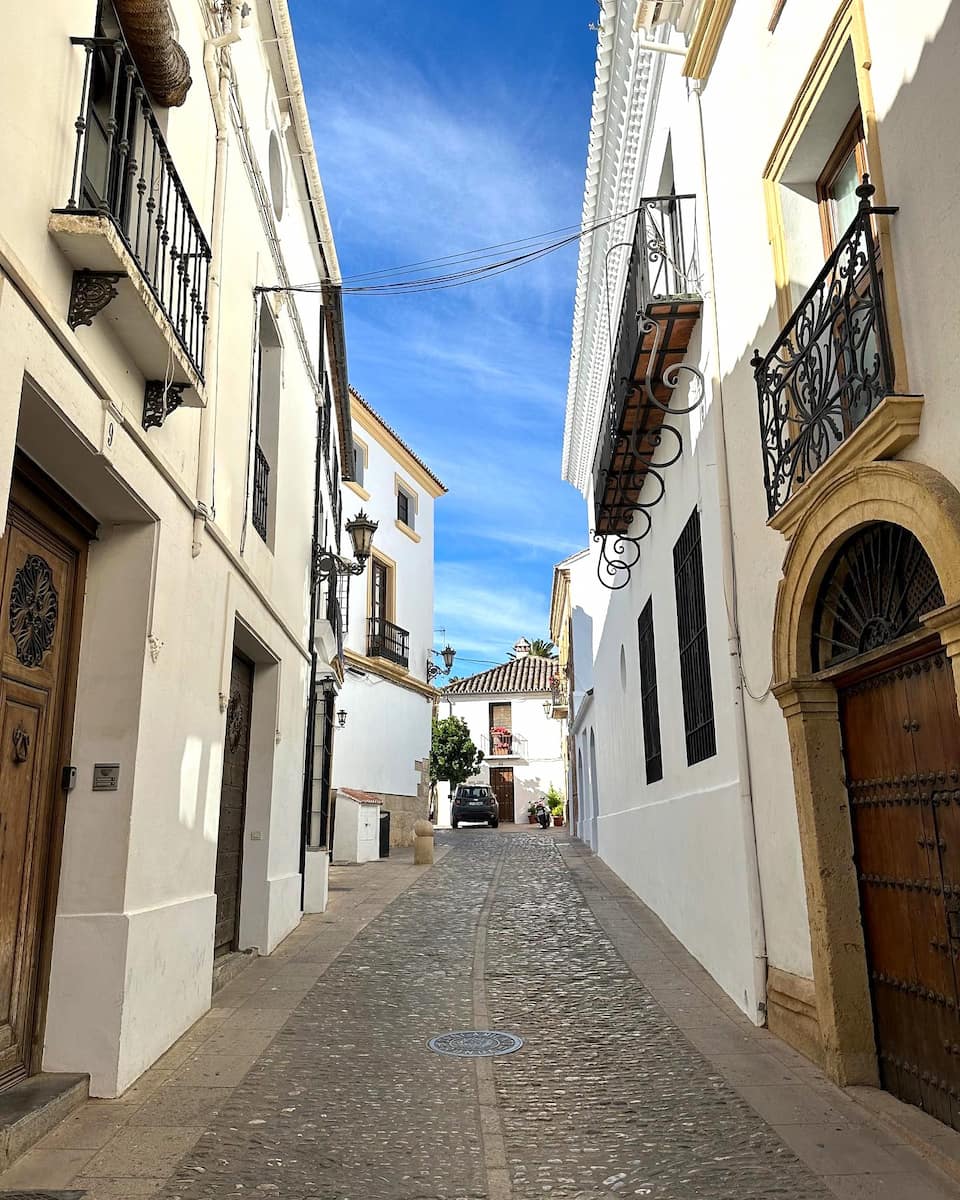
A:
[922,501]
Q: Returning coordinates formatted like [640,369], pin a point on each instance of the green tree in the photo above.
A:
[453,755]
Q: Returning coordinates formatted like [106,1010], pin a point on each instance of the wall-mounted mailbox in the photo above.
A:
[106,777]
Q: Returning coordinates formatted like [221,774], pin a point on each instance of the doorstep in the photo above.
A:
[861,1143]
[31,1108]
[228,966]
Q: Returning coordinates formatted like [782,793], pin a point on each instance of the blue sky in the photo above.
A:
[441,126]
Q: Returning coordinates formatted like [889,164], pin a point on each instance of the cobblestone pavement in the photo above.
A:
[637,1076]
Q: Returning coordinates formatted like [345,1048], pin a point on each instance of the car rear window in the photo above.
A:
[473,793]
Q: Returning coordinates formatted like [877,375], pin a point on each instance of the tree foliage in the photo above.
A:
[539,648]
[453,755]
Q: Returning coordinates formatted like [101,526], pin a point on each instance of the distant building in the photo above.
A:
[507,709]
[384,745]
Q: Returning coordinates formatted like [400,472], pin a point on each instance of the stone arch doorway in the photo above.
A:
[841,680]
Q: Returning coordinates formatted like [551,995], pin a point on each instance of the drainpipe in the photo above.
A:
[218,85]
[748,820]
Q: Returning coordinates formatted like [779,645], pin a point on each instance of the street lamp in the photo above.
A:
[547,707]
[329,564]
[448,654]
[342,717]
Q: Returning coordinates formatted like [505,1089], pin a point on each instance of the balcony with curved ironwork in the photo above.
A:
[832,365]
[661,306]
[130,232]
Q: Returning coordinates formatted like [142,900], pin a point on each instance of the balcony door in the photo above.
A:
[379,593]
[501,728]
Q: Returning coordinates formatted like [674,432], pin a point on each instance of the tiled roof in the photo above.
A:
[527,674]
[396,436]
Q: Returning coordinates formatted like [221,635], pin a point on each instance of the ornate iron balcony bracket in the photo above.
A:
[159,401]
[90,293]
[327,565]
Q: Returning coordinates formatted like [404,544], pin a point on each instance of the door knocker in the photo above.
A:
[21,745]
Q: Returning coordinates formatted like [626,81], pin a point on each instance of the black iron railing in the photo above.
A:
[558,693]
[503,743]
[261,492]
[663,267]
[123,170]
[832,364]
[386,640]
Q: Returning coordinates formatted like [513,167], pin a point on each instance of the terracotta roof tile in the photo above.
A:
[520,675]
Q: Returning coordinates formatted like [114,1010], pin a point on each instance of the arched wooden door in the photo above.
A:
[901,741]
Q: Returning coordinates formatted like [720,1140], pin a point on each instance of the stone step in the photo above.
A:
[31,1108]
[229,966]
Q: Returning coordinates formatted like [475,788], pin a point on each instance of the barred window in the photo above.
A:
[649,704]
[695,681]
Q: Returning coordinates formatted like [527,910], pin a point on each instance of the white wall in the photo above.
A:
[165,595]
[387,730]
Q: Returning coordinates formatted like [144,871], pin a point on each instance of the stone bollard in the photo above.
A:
[423,844]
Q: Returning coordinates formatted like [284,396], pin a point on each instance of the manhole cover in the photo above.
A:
[475,1043]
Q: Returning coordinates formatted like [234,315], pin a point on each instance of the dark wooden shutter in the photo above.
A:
[695,682]
[648,695]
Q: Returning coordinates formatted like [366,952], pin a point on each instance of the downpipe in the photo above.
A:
[728,549]
[218,86]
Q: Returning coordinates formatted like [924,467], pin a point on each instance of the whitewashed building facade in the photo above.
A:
[830,511]
[507,710]
[162,423]
[658,734]
[383,748]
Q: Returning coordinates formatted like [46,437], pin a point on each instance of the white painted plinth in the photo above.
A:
[316,880]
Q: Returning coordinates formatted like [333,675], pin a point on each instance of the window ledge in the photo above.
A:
[411,534]
[893,424]
[356,489]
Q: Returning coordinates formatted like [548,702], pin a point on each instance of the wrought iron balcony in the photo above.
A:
[261,492]
[559,697]
[389,641]
[128,223]
[503,743]
[661,306]
[832,364]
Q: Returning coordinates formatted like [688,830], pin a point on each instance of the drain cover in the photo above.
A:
[475,1043]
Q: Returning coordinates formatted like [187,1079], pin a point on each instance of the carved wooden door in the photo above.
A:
[233,803]
[501,781]
[901,734]
[41,560]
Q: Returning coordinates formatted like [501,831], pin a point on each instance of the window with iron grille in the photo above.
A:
[695,681]
[649,705]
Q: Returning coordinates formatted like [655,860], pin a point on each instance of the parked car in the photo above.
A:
[475,802]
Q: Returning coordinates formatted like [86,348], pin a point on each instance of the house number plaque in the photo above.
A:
[106,777]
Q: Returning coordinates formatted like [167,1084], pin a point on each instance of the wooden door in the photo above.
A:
[42,561]
[501,781]
[233,804]
[901,735]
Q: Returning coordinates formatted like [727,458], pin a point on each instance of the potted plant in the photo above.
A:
[531,813]
[555,801]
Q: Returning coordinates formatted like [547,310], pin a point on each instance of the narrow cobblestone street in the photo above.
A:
[311,1077]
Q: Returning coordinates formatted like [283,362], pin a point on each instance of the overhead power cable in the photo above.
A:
[534,247]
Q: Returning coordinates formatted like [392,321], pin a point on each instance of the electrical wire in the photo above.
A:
[536,249]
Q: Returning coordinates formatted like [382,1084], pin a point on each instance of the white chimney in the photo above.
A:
[521,648]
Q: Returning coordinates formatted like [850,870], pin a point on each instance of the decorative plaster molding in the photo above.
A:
[626,78]
[893,424]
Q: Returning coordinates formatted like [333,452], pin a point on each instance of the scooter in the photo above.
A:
[542,813]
